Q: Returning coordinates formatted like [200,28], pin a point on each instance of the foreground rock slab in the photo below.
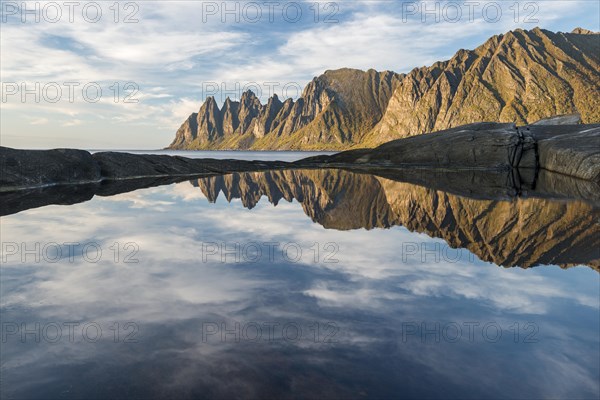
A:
[572,150]
[29,169]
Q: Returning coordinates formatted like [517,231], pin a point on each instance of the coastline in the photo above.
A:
[484,149]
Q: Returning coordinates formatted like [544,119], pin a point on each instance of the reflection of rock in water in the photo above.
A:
[521,232]
[335,199]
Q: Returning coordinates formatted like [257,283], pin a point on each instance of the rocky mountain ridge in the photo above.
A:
[518,77]
[330,110]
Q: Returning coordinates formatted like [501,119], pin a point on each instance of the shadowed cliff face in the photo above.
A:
[521,232]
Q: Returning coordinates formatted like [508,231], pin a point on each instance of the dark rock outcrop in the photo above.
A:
[476,146]
[33,169]
[20,169]
[519,153]
[572,150]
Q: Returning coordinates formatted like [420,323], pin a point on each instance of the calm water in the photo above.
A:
[230,154]
[317,283]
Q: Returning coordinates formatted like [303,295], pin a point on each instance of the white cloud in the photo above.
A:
[39,121]
[74,122]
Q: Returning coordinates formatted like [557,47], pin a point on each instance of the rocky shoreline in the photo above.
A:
[481,160]
[572,150]
[33,169]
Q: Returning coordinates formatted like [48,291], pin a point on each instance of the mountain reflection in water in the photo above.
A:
[557,222]
[521,232]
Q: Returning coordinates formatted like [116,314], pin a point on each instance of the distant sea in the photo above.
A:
[230,154]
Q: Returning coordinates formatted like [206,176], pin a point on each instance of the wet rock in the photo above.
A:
[115,165]
[572,150]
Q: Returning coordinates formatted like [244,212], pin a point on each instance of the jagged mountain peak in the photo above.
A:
[210,100]
[583,31]
[248,94]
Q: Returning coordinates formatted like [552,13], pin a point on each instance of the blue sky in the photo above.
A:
[168,56]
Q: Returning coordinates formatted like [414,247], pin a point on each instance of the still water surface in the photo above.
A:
[231,154]
[302,283]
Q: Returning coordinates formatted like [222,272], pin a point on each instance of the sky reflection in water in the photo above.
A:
[359,311]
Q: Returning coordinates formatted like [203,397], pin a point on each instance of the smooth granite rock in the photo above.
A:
[572,150]
[21,169]
[568,119]
[484,146]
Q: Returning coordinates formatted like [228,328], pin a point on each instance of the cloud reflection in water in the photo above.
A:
[370,295]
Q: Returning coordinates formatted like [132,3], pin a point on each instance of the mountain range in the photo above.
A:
[521,76]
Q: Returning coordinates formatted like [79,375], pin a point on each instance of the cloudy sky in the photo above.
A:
[101,75]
